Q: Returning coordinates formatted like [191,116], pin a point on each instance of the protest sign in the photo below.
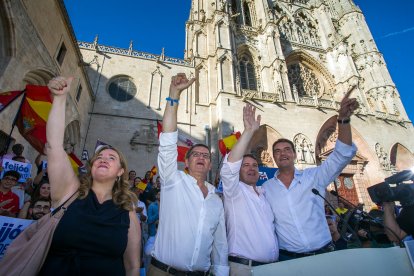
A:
[265,173]
[10,228]
[23,168]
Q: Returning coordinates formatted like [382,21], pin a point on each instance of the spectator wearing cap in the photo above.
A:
[9,201]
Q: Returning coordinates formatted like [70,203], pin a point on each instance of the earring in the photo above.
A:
[118,178]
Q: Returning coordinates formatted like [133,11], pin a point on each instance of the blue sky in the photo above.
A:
[153,25]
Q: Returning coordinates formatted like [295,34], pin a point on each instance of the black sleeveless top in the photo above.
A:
[90,239]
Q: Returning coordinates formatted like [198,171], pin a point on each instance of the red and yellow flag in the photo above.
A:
[153,171]
[7,98]
[227,143]
[75,162]
[33,115]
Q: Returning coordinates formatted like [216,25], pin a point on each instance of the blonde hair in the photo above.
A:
[121,195]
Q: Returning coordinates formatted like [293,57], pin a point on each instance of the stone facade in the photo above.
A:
[294,60]
[33,49]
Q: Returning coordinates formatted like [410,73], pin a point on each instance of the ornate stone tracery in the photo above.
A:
[382,157]
[300,28]
[304,79]
[304,149]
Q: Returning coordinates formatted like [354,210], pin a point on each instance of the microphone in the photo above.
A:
[316,192]
[334,193]
[365,214]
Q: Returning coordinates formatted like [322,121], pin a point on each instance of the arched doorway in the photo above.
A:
[401,158]
[354,180]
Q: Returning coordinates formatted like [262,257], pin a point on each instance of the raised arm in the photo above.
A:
[251,124]
[167,154]
[347,108]
[63,181]
[178,83]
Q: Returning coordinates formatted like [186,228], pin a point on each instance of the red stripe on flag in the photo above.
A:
[7,97]
[30,124]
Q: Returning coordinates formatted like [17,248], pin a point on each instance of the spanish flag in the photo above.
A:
[227,143]
[75,162]
[7,98]
[33,115]
[142,185]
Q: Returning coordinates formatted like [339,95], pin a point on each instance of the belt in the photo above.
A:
[245,261]
[171,270]
[325,249]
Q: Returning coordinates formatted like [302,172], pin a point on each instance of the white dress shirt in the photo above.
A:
[191,231]
[299,214]
[249,218]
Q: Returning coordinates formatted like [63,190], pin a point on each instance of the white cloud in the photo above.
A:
[399,32]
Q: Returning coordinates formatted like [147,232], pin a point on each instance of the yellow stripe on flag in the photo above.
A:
[41,108]
[230,141]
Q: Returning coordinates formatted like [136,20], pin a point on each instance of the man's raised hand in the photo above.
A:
[59,86]
[179,82]
[348,105]
[249,119]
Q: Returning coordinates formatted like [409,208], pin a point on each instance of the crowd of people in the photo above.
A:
[177,224]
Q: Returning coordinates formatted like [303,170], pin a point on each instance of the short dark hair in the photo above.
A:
[251,156]
[283,140]
[35,200]
[18,149]
[12,173]
[188,153]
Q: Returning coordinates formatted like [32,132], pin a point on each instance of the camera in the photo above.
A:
[393,189]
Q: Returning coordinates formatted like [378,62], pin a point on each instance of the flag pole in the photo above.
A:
[14,123]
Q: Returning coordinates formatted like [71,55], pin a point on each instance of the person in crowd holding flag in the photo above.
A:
[299,213]
[9,201]
[99,233]
[191,237]
[246,208]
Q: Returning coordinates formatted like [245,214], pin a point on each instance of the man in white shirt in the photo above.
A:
[249,218]
[299,214]
[191,236]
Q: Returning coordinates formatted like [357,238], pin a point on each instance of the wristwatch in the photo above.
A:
[344,121]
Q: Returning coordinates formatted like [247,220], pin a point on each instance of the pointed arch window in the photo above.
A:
[247,73]
[233,7]
[246,14]
[303,80]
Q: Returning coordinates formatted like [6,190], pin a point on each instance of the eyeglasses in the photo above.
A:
[10,178]
[40,207]
[205,155]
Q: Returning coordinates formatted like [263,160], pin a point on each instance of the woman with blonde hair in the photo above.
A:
[99,233]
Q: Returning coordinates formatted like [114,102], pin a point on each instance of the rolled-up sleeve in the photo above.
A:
[335,163]
[167,156]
